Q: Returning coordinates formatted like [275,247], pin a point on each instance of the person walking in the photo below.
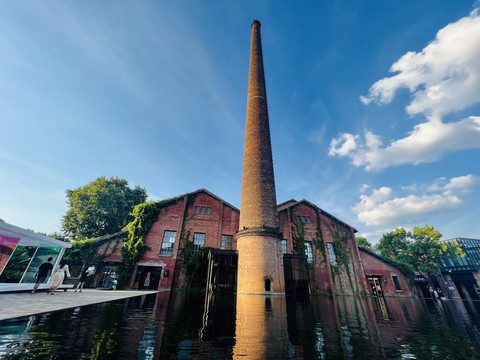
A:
[59,276]
[82,280]
[42,273]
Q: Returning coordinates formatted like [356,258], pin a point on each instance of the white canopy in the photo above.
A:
[29,238]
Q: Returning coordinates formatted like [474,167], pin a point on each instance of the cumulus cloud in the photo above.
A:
[428,142]
[443,78]
[381,207]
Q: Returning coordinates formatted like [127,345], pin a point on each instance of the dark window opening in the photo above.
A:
[396,283]
[203,210]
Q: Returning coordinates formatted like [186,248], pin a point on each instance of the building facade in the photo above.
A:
[335,263]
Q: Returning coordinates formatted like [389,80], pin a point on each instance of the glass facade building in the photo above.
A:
[21,254]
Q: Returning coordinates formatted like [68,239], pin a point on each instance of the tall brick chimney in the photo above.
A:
[260,259]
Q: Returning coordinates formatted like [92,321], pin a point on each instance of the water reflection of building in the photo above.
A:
[261,327]
[21,254]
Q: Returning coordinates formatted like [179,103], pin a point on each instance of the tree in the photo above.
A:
[420,250]
[392,244]
[100,208]
[363,242]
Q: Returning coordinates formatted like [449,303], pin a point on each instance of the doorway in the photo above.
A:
[375,285]
[268,284]
[148,277]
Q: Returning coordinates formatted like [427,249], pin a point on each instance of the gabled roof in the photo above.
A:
[379,257]
[291,203]
[207,192]
[112,236]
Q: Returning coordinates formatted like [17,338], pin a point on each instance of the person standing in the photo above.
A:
[42,273]
[59,276]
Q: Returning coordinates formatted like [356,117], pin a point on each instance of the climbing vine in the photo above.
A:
[298,235]
[195,261]
[340,239]
[81,251]
[134,245]
[318,241]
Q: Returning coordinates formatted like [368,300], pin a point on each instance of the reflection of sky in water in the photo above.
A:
[248,327]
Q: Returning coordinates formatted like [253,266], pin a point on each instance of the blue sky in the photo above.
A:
[374,106]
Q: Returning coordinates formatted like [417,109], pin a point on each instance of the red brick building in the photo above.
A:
[335,263]
[383,276]
[330,245]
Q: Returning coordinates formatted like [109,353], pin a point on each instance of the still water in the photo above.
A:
[181,325]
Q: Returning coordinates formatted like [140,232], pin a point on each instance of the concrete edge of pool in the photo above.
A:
[19,304]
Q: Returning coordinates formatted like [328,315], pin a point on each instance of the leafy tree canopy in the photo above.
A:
[58,236]
[420,250]
[100,208]
[363,242]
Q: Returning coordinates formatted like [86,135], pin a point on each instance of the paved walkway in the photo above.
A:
[13,305]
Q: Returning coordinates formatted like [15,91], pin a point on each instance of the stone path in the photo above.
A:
[13,305]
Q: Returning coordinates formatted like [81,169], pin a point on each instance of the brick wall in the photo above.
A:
[375,266]
[322,279]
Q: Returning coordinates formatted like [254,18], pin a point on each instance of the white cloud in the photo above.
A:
[462,182]
[382,208]
[443,77]
[344,145]
[428,142]
[374,236]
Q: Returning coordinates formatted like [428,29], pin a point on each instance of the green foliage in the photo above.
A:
[195,264]
[420,250]
[393,243]
[100,208]
[134,246]
[298,235]
[85,252]
[318,241]
[364,243]
[340,239]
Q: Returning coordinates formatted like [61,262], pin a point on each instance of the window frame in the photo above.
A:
[332,256]
[167,250]
[309,251]
[396,282]
[198,241]
[284,246]
[227,240]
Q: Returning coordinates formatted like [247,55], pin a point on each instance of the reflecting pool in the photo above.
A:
[182,325]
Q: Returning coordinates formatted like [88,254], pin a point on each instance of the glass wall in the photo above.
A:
[41,256]
[25,261]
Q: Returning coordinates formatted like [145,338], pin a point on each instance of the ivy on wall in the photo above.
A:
[134,246]
[318,241]
[340,239]
[195,261]
[298,235]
